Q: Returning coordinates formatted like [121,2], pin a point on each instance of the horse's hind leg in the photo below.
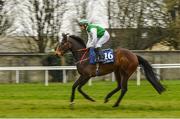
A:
[124,82]
[118,79]
[85,80]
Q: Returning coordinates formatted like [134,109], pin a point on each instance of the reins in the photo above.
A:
[83,56]
[85,50]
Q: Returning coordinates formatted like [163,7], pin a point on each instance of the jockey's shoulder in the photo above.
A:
[95,26]
[92,25]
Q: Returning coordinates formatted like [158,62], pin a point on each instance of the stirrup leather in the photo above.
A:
[97,69]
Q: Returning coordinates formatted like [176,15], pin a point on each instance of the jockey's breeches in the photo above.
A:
[102,40]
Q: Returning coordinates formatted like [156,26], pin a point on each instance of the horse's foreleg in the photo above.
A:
[85,80]
[76,83]
[118,79]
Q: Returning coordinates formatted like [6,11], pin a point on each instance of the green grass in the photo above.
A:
[37,100]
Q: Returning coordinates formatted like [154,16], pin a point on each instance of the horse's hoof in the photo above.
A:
[106,100]
[93,100]
[72,104]
[116,105]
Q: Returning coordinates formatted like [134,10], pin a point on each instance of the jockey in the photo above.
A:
[97,36]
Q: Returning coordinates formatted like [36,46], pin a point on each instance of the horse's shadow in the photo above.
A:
[100,106]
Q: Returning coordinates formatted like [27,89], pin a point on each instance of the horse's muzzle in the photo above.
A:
[59,53]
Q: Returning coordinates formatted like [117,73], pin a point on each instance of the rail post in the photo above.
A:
[46,77]
[158,73]
[90,82]
[64,76]
[17,76]
[138,76]
[113,77]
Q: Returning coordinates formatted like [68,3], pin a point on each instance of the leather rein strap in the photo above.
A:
[83,56]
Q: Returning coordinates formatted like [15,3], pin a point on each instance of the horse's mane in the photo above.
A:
[77,38]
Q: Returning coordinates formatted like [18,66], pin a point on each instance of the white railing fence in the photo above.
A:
[39,68]
[64,68]
[157,67]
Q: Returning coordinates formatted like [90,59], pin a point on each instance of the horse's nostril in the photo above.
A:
[58,53]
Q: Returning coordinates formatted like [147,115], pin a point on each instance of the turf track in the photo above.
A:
[37,100]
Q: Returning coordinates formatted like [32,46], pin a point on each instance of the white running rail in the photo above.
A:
[36,68]
[157,67]
[64,68]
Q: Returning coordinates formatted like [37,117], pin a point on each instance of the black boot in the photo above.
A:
[99,56]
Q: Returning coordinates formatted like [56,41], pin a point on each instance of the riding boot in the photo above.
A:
[97,51]
[99,56]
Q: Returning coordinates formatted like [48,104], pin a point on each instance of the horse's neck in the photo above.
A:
[78,53]
[76,49]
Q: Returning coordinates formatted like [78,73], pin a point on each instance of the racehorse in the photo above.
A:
[125,64]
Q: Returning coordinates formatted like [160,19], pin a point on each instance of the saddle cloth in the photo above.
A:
[108,56]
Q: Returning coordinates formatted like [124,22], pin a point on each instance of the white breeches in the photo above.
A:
[102,40]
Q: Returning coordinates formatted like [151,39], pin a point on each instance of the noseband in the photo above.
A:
[84,50]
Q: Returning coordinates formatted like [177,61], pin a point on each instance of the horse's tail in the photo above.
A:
[150,75]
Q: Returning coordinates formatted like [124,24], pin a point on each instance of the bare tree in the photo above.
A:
[173,40]
[45,18]
[141,21]
[8,10]
[6,20]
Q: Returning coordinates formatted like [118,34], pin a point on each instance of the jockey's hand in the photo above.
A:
[88,48]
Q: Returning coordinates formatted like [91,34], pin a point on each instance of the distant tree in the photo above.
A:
[8,16]
[138,15]
[81,10]
[6,20]
[45,19]
[173,7]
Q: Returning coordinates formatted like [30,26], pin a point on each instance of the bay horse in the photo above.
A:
[125,64]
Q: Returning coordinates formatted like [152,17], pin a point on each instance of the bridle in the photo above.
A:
[57,51]
[82,59]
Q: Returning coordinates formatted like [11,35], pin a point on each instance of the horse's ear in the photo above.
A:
[64,37]
[63,34]
[67,34]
